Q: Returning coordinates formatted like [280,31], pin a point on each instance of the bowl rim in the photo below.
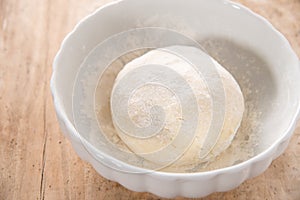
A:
[237,167]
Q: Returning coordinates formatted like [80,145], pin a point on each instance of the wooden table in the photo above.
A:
[37,162]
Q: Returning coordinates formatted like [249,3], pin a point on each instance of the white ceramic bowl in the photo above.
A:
[221,21]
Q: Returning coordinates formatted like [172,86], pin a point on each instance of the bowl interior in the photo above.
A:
[258,57]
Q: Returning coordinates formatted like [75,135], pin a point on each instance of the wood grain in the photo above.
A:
[37,162]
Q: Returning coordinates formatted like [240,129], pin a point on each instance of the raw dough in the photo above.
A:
[153,94]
